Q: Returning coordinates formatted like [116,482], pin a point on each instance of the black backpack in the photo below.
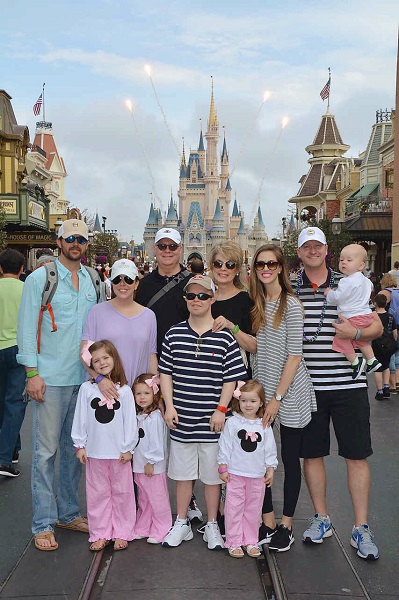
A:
[385,345]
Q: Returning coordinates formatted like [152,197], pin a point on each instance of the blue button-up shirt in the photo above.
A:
[59,360]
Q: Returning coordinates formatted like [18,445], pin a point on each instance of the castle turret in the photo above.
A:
[211,164]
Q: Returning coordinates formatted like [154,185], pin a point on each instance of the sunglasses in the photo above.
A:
[200,296]
[172,247]
[124,278]
[72,238]
[198,346]
[230,264]
[270,264]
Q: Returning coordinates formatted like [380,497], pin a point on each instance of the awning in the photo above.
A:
[364,191]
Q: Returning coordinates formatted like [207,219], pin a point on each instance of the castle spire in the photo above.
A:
[213,120]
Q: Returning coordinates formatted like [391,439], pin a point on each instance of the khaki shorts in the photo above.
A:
[188,462]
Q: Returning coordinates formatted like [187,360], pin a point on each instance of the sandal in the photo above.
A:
[49,536]
[120,544]
[79,524]
[101,545]
[236,552]
[253,551]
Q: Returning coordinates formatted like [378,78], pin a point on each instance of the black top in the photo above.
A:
[170,309]
[237,310]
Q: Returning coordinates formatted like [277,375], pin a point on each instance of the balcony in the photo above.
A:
[368,205]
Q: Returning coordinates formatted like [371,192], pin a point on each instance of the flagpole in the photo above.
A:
[328,99]
[44,108]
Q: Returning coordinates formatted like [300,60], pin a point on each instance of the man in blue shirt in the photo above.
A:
[54,373]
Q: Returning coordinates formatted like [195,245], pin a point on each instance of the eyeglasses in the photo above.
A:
[172,247]
[270,264]
[116,280]
[72,238]
[198,346]
[230,264]
[200,296]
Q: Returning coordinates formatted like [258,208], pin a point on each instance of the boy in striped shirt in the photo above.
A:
[199,369]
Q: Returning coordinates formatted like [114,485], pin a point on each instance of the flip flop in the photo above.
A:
[79,524]
[46,535]
[103,544]
[236,552]
[123,544]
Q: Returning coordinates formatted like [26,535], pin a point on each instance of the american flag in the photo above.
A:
[38,105]
[325,92]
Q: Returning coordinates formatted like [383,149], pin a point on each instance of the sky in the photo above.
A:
[92,56]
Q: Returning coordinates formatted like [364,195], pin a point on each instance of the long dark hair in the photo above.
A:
[258,293]
[117,374]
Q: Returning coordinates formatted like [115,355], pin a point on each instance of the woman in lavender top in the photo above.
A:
[131,327]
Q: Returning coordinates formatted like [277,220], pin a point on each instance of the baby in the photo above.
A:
[352,298]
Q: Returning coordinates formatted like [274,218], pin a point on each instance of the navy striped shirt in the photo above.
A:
[329,370]
[199,366]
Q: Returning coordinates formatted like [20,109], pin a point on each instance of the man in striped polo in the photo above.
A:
[199,369]
[339,397]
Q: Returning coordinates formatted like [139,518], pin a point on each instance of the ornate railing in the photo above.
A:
[367,205]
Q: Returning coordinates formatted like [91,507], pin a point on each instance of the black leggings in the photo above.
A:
[290,452]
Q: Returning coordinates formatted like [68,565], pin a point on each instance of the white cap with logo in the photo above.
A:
[73,227]
[311,233]
[170,233]
[124,267]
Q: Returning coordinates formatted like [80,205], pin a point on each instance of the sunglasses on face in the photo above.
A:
[72,238]
[200,296]
[271,265]
[124,278]
[172,247]
[230,264]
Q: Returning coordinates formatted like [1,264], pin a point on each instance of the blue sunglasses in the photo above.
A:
[80,239]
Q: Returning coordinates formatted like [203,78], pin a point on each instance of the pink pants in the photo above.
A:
[346,346]
[242,511]
[111,506]
[154,516]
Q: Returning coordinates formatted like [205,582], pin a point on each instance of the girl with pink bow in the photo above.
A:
[247,458]
[104,433]
[154,515]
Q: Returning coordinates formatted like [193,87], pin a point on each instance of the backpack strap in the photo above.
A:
[169,286]
[95,278]
[48,292]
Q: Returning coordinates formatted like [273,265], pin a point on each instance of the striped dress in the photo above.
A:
[274,345]
[199,366]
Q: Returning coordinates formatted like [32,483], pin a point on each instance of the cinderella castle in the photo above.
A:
[205,193]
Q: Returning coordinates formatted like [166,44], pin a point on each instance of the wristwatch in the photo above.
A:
[278,397]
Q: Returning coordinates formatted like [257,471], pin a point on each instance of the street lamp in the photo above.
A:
[90,236]
[336,227]
[104,221]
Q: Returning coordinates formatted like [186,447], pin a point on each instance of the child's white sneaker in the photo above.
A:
[213,536]
[180,532]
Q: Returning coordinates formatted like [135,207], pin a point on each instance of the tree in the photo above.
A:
[104,244]
[2,228]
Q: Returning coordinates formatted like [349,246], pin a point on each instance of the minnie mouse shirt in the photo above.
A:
[246,447]
[152,444]
[104,428]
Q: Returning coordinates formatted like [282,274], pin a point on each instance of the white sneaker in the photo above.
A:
[213,536]
[151,540]
[180,532]
[193,511]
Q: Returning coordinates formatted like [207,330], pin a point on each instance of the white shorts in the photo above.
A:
[188,462]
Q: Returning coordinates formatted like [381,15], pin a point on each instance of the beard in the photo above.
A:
[73,253]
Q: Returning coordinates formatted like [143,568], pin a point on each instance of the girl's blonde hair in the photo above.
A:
[232,251]
[257,289]
[251,385]
[156,396]
[117,374]
[387,280]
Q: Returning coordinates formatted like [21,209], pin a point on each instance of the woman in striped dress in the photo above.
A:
[277,320]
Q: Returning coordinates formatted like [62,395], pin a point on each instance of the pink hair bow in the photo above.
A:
[108,403]
[237,392]
[153,383]
[252,435]
[86,356]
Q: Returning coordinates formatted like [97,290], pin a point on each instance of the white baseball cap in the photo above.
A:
[311,233]
[73,227]
[168,232]
[124,267]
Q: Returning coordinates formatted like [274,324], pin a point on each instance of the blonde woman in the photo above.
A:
[277,321]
